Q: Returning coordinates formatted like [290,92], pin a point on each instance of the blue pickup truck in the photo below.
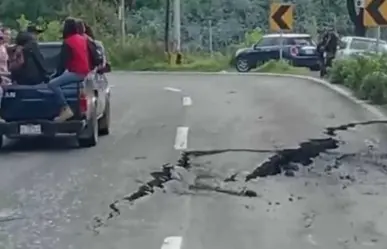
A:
[29,110]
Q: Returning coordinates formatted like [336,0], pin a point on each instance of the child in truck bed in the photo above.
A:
[4,80]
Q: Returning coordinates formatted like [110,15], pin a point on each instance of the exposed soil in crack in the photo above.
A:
[282,161]
[167,173]
[331,131]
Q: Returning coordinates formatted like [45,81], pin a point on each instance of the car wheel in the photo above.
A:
[89,137]
[242,65]
[104,121]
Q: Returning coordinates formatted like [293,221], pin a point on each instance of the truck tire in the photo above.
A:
[89,137]
[1,141]
[104,121]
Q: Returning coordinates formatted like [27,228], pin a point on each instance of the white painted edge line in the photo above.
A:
[181,140]
[187,101]
[173,242]
[172,89]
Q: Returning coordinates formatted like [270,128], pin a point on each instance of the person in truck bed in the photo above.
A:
[73,65]
[26,63]
[96,49]
[4,80]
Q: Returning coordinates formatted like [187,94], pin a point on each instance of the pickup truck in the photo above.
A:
[29,110]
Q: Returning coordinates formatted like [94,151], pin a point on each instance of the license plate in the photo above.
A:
[30,130]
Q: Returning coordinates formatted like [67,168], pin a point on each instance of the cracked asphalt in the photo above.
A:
[204,162]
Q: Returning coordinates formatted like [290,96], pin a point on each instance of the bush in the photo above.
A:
[365,74]
[374,87]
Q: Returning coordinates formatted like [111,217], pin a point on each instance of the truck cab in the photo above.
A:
[29,111]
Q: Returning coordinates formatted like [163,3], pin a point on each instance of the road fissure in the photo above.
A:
[285,160]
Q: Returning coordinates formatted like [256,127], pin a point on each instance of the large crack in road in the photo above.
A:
[284,160]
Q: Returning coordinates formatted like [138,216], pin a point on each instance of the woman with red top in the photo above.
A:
[73,65]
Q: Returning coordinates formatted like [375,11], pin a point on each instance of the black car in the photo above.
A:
[298,49]
[29,110]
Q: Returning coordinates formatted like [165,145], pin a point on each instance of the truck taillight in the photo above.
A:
[294,51]
[83,105]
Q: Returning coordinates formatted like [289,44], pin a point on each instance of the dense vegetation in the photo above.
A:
[233,24]
[365,74]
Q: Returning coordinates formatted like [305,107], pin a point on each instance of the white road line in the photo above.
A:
[181,139]
[187,101]
[173,242]
[172,89]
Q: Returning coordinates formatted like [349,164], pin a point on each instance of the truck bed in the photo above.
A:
[28,103]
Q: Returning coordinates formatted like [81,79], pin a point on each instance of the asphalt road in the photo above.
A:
[249,176]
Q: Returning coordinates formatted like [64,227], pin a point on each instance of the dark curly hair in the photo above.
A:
[89,31]
[69,27]
[80,26]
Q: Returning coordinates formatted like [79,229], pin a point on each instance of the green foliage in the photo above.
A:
[364,74]
[22,22]
[52,32]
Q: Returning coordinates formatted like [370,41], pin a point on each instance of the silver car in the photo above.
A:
[352,45]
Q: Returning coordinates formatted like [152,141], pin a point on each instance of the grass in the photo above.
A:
[282,67]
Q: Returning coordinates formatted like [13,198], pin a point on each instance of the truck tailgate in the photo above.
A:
[20,103]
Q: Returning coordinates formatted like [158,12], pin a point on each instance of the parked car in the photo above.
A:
[30,110]
[354,45]
[299,49]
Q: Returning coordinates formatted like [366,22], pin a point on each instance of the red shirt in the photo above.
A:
[79,58]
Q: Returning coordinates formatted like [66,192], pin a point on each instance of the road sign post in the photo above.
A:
[281,45]
[281,19]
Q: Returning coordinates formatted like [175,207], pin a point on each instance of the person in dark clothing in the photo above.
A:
[328,45]
[74,65]
[32,70]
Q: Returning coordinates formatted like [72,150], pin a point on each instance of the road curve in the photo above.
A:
[204,162]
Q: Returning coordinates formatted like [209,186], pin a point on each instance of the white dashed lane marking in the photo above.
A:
[173,242]
[172,89]
[181,140]
[187,101]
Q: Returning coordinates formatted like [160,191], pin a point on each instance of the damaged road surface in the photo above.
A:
[264,167]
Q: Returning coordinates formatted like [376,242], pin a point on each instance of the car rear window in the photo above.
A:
[300,41]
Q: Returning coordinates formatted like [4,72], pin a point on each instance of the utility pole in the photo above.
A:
[121,13]
[210,36]
[166,28]
[176,24]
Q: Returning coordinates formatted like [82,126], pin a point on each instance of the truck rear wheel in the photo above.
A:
[104,121]
[89,137]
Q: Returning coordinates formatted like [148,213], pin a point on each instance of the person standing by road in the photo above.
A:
[327,48]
